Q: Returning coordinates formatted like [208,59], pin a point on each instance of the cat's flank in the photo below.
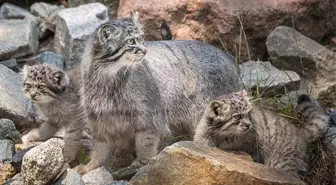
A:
[134,93]
[231,122]
[55,94]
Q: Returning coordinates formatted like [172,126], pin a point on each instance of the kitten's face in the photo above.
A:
[43,83]
[229,116]
[118,36]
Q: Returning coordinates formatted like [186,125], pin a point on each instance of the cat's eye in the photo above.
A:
[237,117]
[28,86]
[130,41]
[41,86]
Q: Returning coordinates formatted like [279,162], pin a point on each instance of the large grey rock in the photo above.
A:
[6,150]
[74,26]
[18,38]
[11,64]
[189,164]
[269,80]
[14,105]
[48,57]
[99,176]
[8,130]
[71,177]
[290,50]
[42,163]
[10,11]
[46,14]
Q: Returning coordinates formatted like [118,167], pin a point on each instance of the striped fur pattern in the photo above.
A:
[135,93]
[55,94]
[232,122]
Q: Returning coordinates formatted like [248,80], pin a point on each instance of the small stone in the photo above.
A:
[46,14]
[10,11]
[71,177]
[125,173]
[268,79]
[14,105]
[74,26]
[45,10]
[189,164]
[290,50]
[6,150]
[112,5]
[8,130]
[11,64]
[6,172]
[48,57]
[18,38]
[119,183]
[16,180]
[16,162]
[99,176]
[43,163]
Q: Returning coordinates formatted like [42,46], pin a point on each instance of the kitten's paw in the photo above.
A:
[81,169]
[69,155]
[138,163]
[32,135]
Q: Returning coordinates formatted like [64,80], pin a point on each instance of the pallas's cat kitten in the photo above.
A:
[233,123]
[55,94]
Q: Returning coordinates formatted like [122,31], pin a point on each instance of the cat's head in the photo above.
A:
[118,36]
[229,115]
[43,83]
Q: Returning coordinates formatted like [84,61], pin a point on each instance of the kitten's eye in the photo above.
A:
[237,117]
[130,41]
[27,86]
[41,86]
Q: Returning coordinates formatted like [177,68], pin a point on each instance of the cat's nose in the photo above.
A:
[33,95]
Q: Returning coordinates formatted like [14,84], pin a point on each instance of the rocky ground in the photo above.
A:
[281,48]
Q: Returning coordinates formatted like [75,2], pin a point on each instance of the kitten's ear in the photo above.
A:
[25,71]
[243,93]
[60,78]
[106,32]
[136,20]
[135,17]
[219,107]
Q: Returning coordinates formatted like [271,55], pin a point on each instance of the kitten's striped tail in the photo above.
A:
[317,119]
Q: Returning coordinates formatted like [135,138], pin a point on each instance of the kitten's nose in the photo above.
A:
[33,95]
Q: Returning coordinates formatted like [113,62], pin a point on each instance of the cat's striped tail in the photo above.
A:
[317,119]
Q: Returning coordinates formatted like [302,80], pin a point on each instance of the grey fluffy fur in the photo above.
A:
[233,123]
[55,93]
[134,93]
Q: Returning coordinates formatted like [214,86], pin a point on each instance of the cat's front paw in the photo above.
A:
[32,135]
[69,155]
[138,163]
[81,169]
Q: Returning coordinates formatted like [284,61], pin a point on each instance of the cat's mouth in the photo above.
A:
[245,129]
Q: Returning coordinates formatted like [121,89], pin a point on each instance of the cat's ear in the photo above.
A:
[107,32]
[245,95]
[136,20]
[60,78]
[25,71]
[219,108]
